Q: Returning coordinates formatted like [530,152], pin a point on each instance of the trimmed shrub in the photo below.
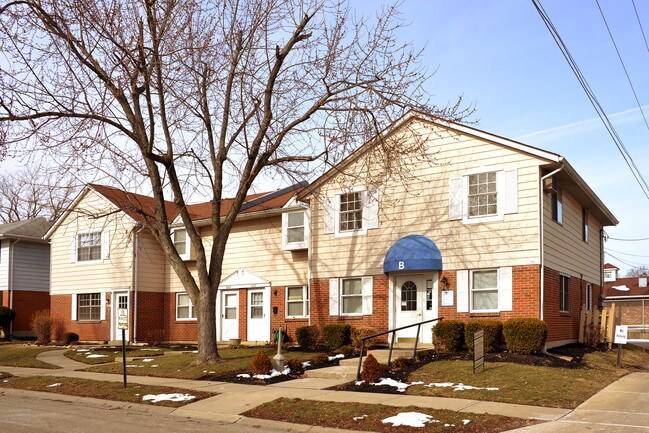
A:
[525,336]
[307,336]
[261,363]
[372,369]
[493,331]
[295,365]
[401,363]
[348,351]
[320,358]
[42,326]
[70,337]
[6,316]
[357,334]
[336,335]
[448,335]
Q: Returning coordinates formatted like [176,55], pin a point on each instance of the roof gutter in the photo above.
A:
[542,234]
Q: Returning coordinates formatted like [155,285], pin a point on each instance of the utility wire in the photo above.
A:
[593,99]
[628,263]
[640,24]
[627,254]
[626,72]
[628,239]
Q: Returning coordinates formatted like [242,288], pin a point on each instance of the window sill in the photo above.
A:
[186,320]
[295,246]
[297,318]
[564,313]
[485,314]
[89,322]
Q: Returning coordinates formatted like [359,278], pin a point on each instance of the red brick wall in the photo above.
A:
[175,330]
[151,320]
[278,299]
[60,310]
[25,304]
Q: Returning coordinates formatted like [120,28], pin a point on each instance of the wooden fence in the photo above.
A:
[598,326]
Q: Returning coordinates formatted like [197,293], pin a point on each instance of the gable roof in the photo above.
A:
[137,206]
[29,229]
[626,287]
[610,266]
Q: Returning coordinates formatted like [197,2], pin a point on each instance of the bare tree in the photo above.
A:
[205,94]
[638,271]
[31,192]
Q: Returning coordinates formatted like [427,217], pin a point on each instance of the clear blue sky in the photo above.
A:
[500,56]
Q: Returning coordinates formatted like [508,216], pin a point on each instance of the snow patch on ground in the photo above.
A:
[147,360]
[96,355]
[272,374]
[458,387]
[358,418]
[83,350]
[155,398]
[53,385]
[410,419]
[244,375]
[339,356]
[306,364]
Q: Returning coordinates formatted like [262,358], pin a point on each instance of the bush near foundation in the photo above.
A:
[493,332]
[6,316]
[261,363]
[336,335]
[525,336]
[70,337]
[42,326]
[372,369]
[307,336]
[448,335]
[361,332]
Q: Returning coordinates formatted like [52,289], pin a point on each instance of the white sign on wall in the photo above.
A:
[621,334]
[447,298]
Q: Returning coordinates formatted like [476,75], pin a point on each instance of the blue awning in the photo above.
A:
[413,253]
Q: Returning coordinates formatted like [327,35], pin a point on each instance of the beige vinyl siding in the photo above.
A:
[152,264]
[565,251]
[92,213]
[421,206]
[4,264]
[31,266]
[257,247]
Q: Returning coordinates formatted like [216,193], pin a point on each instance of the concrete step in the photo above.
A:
[336,372]
[381,355]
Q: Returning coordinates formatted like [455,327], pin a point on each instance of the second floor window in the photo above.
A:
[351,211]
[180,241]
[557,202]
[89,246]
[295,227]
[483,194]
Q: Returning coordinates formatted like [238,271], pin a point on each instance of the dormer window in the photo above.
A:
[181,242]
[295,230]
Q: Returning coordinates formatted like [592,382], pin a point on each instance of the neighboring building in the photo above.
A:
[24,271]
[631,299]
[494,229]
[610,272]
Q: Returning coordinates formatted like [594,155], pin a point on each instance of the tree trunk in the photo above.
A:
[206,309]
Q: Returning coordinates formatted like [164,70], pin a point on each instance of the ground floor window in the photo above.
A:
[184,307]
[297,301]
[352,296]
[564,294]
[89,306]
[484,290]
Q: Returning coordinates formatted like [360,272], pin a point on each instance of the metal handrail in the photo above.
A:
[394,336]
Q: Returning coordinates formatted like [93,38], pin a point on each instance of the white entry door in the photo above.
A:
[120,302]
[258,315]
[230,315]
[415,301]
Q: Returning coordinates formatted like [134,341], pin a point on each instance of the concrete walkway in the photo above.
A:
[624,404]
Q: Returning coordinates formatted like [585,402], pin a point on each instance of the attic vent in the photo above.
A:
[642,281]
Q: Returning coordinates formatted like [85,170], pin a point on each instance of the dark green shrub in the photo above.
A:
[348,351]
[336,335]
[372,369]
[320,358]
[307,336]
[42,325]
[448,335]
[70,337]
[493,331]
[295,365]
[6,316]
[261,363]
[525,336]
[357,334]
[401,363]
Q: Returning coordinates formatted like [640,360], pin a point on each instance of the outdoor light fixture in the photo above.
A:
[444,284]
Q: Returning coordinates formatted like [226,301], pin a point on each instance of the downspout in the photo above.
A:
[10,279]
[542,234]
[136,244]
[600,297]
[308,263]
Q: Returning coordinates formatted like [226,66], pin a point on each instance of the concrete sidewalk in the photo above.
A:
[622,405]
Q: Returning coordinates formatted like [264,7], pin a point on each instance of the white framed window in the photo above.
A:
[483,195]
[557,202]
[589,297]
[297,302]
[184,307]
[89,307]
[484,290]
[88,246]
[182,243]
[352,212]
[351,296]
[295,230]
[564,294]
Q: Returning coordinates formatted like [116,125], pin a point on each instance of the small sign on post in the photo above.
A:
[122,323]
[478,350]
[621,336]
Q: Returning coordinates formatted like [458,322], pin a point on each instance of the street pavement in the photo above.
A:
[621,407]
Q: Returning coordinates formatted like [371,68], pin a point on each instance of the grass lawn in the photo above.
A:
[133,393]
[370,416]
[103,355]
[18,355]
[179,366]
[525,384]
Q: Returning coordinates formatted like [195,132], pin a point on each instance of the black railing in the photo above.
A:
[394,336]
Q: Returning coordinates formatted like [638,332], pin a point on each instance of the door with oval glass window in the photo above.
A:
[415,300]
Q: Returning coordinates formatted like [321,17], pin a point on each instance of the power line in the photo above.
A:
[626,254]
[628,239]
[628,263]
[593,99]
[626,72]
[640,24]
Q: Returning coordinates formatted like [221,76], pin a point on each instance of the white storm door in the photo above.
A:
[409,292]
[120,301]
[430,308]
[258,315]
[230,315]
